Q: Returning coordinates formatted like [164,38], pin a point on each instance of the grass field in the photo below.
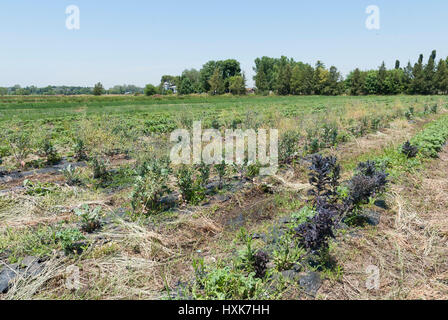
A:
[85,183]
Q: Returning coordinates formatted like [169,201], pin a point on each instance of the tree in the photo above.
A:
[237,85]
[441,77]
[227,68]
[382,73]
[397,64]
[265,75]
[334,85]
[302,79]
[3,91]
[194,77]
[371,83]
[261,81]
[98,89]
[284,76]
[428,75]
[185,87]
[355,82]
[393,84]
[321,76]
[150,90]
[407,77]
[216,83]
[417,84]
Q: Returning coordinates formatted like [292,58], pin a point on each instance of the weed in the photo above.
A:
[90,218]
[71,240]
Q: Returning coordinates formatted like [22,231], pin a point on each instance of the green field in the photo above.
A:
[128,118]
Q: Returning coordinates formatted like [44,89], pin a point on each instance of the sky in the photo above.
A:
[137,41]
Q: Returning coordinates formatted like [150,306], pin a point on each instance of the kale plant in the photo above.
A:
[324,176]
[366,183]
[409,150]
[315,233]
[260,262]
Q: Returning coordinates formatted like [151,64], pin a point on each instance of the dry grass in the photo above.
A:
[409,247]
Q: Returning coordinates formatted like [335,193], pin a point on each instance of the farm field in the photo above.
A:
[92,208]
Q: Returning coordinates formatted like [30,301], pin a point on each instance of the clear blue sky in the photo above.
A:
[137,41]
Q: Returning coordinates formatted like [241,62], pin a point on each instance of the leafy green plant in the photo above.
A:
[409,114]
[38,188]
[190,187]
[19,143]
[286,257]
[80,150]
[221,171]
[289,146]
[204,173]
[226,283]
[434,108]
[72,175]
[431,140]
[148,189]
[49,152]
[90,218]
[330,134]
[99,169]
[253,169]
[71,240]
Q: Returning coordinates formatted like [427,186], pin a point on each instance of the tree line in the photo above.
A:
[282,76]
[285,76]
[98,89]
